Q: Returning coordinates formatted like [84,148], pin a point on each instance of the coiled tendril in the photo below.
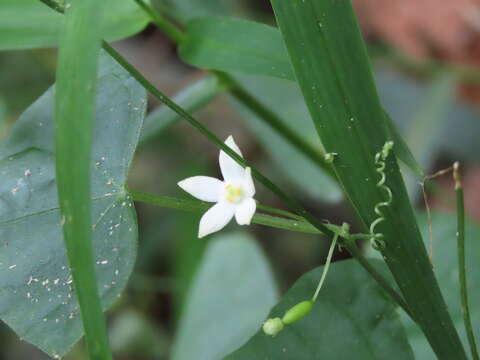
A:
[377,239]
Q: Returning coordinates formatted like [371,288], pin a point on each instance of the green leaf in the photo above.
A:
[332,68]
[75,93]
[30,24]
[285,99]
[351,319]
[444,227]
[229,44]
[36,295]
[230,297]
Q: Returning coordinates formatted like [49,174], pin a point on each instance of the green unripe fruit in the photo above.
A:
[272,326]
[297,312]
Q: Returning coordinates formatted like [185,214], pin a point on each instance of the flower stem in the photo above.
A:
[325,268]
[280,212]
[461,262]
[298,225]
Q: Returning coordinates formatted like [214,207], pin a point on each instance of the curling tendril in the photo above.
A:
[377,239]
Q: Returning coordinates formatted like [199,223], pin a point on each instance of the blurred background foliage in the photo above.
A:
[427,70]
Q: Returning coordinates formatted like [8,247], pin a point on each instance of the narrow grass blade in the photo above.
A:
[462,273]
[74,114]
[332,68]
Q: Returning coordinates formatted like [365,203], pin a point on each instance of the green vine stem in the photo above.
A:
[298,225]
[462,277]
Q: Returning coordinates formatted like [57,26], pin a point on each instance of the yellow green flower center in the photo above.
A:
[233,194]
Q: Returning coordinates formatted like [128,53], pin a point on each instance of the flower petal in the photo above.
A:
[244,212]
[229,167]
[203,187]
[215,218]
[248,186]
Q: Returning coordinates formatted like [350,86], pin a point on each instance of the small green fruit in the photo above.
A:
[297,312]
[272,326]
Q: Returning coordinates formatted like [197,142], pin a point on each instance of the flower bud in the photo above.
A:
[297,312]
[272,326]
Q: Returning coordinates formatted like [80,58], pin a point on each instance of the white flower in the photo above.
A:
[233,195]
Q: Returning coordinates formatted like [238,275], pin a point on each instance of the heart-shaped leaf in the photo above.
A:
[36,293]
[30,24]
[352,319]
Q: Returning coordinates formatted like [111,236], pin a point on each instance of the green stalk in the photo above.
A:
[298,225]
[280,212]
[462,277]
[74,119]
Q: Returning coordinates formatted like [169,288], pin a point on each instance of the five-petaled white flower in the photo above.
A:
[233,195]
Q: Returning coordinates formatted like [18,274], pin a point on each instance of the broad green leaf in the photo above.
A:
[445,264]
[332,68]
[30,24]
[352,319]
[243,46]
[230,297]
[229,44]
[36,295]
[285,99]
